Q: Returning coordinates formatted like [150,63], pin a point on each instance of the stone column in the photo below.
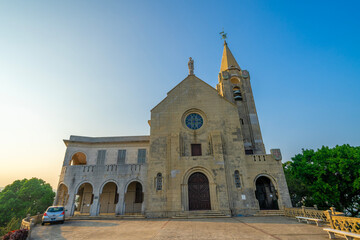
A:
[119,210]
[70,205]
[94,209]
[185,198]
[213,197]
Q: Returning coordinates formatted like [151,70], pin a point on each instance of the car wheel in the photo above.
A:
[42,224]
[62,222]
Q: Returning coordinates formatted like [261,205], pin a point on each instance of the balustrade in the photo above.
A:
[306,212]
[339,222]
[111,168]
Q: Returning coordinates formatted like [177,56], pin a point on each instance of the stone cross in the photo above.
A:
[191,66]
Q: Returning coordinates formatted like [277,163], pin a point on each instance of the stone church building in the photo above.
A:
[205,152]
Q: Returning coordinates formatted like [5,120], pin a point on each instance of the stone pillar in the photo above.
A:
[94,209]
[185,198]
[143,207]
[213,197]
[70,205]
[119,209]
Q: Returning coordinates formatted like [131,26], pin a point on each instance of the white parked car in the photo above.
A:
[54,214]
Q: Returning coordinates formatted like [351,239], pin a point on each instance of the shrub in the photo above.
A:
[16,235]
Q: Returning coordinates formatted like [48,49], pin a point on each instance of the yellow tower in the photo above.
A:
[234,85]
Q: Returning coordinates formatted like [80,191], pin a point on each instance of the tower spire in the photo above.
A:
[228,61]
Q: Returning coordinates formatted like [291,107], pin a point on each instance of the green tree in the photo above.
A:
[23,197]
[13,224]
[328,177]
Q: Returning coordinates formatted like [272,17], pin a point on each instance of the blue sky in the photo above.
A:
[96,68]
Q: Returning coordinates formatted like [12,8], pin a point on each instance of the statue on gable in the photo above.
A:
[191,66]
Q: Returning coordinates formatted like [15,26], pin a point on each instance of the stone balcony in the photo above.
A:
[102,171]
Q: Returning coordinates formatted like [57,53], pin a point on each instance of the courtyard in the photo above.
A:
[269,227]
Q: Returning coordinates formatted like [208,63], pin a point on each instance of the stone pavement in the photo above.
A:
[274,227]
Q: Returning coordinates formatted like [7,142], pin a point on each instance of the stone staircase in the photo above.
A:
[200,214]
[107,217]
[263,213]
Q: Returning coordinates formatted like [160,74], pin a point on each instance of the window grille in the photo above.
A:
[159,182]
[237,179]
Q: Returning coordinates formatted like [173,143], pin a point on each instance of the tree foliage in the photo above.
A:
[23,197]
[328,177]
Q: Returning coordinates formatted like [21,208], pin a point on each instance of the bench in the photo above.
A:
[308,220]
[347,235]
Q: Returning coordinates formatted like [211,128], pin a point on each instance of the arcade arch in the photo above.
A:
[134,198]
[109,198]
[84,199]
[62,195]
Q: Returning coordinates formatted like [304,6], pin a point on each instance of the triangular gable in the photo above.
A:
[198,79]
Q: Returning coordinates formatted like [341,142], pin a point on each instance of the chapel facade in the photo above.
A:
[205,153]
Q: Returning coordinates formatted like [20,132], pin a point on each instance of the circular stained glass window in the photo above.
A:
[194,121]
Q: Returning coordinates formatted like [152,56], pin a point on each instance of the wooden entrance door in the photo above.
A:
[198,191]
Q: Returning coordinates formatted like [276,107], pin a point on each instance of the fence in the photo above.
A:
[347,224]
[336,220]
[307,212]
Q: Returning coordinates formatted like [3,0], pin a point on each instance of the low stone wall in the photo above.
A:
[29,223]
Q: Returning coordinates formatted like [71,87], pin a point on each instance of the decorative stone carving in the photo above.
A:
[276,153]
[191,66]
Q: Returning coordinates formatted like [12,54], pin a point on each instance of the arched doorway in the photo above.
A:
[134,197]
[108,198]
[62,195]
[84,199]
[266,194]
[198,192]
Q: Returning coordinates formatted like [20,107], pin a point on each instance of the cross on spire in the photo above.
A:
[223,35]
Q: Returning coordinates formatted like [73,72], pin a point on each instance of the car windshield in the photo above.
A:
[55,209]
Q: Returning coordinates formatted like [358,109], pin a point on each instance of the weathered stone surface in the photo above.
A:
[222,142]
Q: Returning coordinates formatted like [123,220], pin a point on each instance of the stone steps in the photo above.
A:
[200,214]
[105,217]
[263,213]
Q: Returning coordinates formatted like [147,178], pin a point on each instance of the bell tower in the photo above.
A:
[234,85]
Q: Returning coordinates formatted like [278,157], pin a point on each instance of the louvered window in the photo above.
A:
[101,157]
[121,157]
[141,156]
[237,94]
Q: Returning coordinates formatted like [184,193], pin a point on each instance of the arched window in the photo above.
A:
[158,182]
[237,179]
[237,94]
[78,158]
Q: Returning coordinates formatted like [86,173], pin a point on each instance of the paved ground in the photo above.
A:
[195,229]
